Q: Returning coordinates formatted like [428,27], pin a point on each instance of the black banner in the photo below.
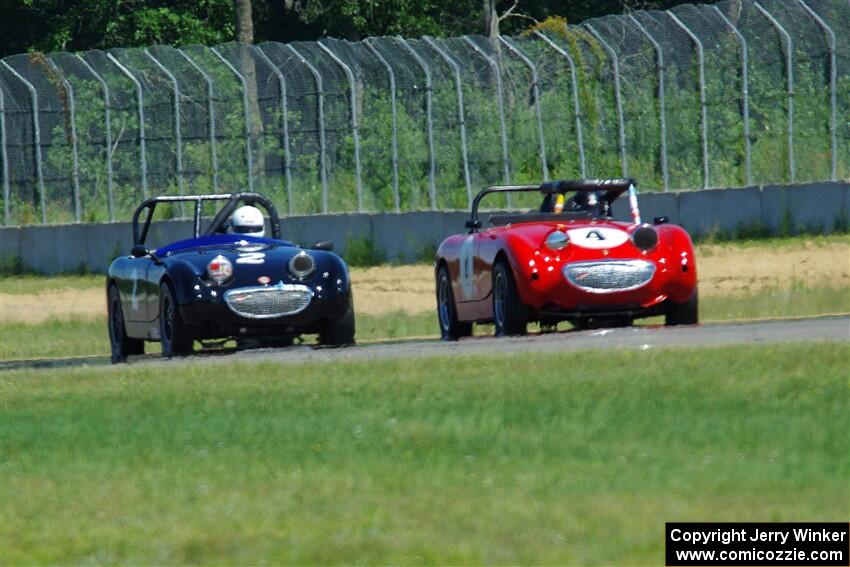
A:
[753,543]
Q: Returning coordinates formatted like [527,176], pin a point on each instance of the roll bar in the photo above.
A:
[233,199]
[613,188]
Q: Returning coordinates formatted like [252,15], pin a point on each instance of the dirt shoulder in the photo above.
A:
[724,269]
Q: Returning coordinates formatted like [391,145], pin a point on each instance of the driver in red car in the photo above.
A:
[583,201]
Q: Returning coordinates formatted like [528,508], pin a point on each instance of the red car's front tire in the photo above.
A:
[510,314]
[686,313]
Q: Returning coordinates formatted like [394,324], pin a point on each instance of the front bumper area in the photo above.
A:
[213,318]
[634,287]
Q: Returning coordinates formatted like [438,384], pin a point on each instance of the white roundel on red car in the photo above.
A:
[597,237]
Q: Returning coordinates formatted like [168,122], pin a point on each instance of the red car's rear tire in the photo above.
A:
[510,314]
[686,313]
[450,328]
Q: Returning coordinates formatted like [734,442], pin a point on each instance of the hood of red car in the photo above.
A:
[585,234]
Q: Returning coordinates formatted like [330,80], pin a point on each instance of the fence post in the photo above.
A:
[394,142]
[535,85]
[108,124]
[701,61]
[75,158]
[281,81]
[745,92]
[317,77]
[355,122]
[37,134]
[624,164]
[143,160]
[432,164]
[576,103]
[460,115]
[248,157]
[500,105]
[4,161]
[177,137]
[662,109]
[832,84]
[211,116]
[789,71]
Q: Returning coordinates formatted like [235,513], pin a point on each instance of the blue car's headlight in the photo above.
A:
[220,269]
[302,265]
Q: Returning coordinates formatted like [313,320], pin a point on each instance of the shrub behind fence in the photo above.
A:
[731,94]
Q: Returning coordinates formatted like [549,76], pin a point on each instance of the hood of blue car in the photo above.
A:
[254,259]
[218,243]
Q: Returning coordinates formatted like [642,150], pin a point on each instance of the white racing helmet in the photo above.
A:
[247,220]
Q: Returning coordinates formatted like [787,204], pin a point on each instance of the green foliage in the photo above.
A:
[786,225]
[486,162]
[53,25]
[11,265]
[362,252]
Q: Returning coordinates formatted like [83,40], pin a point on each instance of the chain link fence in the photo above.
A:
[730,94]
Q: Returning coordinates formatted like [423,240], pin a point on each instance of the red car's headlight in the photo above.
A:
[557,240]
[645,237]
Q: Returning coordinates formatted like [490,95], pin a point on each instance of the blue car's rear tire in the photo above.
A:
[122,345]
[175,337]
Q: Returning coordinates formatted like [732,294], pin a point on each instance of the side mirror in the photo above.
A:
[661,220]
[325,245]
[473,224]
[139,251]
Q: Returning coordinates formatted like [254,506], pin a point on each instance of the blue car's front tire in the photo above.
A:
[338,332]
[174,335]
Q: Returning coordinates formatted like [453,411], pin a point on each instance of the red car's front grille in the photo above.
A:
[609,276]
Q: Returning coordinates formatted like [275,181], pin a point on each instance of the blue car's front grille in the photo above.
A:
[267,302]
[609,276]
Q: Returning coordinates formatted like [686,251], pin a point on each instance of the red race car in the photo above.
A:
[567,261]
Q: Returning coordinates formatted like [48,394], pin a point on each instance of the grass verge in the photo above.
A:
[569,460]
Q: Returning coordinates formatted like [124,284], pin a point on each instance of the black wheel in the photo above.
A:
[509,312]
[121,344]
[450,328]
[175,337]
[686,313]
[338,332]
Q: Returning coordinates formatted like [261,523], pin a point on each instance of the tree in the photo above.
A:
[492,18]
[244,21]
[248,68]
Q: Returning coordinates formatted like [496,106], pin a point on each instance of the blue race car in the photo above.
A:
[228,281]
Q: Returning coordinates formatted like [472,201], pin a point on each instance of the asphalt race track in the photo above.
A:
[714,334]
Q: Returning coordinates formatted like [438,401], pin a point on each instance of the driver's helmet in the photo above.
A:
[591,202]
[247,220]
